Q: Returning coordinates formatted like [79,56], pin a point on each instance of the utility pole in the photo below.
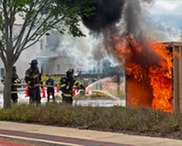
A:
[80,75]
[99,83]
[118,83]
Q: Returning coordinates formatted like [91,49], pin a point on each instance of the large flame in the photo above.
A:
[161,79]
[149,67]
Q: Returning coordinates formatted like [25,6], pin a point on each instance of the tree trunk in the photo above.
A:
[7,87]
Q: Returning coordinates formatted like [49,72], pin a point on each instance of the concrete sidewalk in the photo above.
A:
[71,136]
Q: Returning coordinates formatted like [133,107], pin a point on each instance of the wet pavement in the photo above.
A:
[79,102]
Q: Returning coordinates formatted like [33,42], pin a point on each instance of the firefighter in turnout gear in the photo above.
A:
[66,86]
[14,80]
[33,78]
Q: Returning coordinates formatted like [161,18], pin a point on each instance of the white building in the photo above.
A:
[53,58]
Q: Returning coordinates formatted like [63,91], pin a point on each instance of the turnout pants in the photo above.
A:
[14,97]
[66,99]
[34,94]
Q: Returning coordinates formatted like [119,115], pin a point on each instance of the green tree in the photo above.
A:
[38,17]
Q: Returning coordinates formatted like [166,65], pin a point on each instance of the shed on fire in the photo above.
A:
[156,84]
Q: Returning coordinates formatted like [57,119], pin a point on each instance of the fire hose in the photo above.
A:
[37,85]
[40,85]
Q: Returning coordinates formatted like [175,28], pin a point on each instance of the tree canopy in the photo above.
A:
[24,22]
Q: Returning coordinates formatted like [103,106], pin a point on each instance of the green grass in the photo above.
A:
[115,119]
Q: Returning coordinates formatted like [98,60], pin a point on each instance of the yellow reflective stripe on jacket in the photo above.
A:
[17,81]
[67,87]
[62,85]
[35,76]
[13,92]
[67,95]
[70,70]
[27,75]
[78,83]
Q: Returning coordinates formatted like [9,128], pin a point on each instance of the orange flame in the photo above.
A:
[158,72]
[161,79]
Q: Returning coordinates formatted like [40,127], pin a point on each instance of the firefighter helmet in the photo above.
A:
[70,70]
[34,62]
[14,68]
[69,73]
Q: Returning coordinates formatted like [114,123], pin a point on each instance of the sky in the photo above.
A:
[166,13]
[164,7]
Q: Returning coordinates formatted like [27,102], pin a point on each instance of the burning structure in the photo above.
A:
[153,72]
[149,71]
[150,65]
[158,85]
[149,75]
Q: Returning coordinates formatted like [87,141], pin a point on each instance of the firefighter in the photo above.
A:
[50,81]
[33,79]
[14,80]
[66,86]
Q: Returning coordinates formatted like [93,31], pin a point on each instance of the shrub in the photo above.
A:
[115,118]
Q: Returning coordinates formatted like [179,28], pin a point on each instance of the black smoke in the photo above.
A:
[107,12]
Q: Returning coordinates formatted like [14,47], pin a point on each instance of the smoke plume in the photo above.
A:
[107,13]
[128,19]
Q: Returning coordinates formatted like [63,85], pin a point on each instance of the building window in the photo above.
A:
[2,72]
[52,49]
[41,44]
[94,69]
[58,68]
